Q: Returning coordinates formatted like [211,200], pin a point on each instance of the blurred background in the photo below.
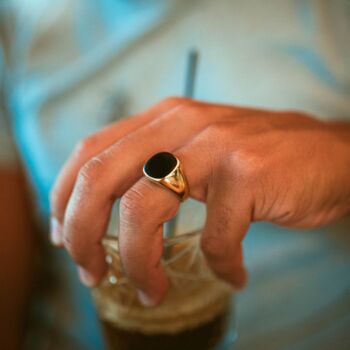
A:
[70,67]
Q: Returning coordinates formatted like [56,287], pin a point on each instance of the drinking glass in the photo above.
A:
[197,313]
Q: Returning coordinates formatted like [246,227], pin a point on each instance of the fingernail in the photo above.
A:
[144,299]
[85,277]
[55,232]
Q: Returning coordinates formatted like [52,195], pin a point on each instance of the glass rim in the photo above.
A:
[112,241]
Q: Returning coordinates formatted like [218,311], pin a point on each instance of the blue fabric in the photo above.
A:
[125,21]
[26,96]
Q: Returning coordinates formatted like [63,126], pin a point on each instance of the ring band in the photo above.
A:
[165,169]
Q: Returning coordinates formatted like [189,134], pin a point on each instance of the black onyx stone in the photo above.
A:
[160,165]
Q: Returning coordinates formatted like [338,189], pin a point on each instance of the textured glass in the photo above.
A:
[196,313]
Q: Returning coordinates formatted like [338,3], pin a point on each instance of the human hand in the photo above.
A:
[245,164]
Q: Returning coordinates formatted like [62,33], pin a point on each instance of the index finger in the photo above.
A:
[90,147]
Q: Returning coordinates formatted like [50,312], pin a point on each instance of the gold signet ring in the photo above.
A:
[164,168]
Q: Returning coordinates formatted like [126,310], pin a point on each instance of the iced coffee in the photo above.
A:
[196,313]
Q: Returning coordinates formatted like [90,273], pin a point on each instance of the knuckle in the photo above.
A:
[180,108]
[212,246]
[246,164]
[85,146]
[212,140]
[173,101]
[173,105]
[140,205]
[183,112]
[191,111]
[90,173]
[132,205]
[217,130]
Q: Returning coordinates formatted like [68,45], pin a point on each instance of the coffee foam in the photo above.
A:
[195,296]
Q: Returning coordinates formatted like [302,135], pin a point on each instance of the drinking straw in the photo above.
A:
[190,77]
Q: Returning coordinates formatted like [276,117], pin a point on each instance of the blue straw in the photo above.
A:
[190,77]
